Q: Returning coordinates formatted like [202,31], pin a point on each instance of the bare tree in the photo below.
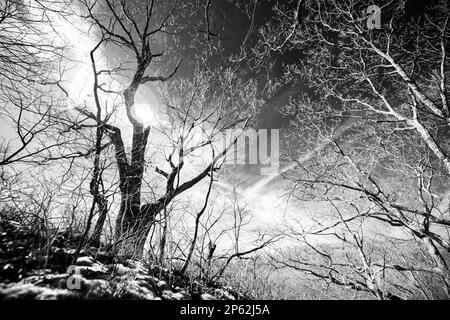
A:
[213,99]
[397,74]
[383,181]
[32,66]
[367,129]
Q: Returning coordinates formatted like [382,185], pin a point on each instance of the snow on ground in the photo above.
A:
[28,274]
[91,279]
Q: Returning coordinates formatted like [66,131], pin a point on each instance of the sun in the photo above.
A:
[143,113]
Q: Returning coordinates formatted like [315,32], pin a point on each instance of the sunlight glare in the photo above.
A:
[144,114]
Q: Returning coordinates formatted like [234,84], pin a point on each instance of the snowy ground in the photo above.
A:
[28,274]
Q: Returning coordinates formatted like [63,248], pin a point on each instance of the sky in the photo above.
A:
[266,195]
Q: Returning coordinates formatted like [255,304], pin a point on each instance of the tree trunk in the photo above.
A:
[432,144]
[129,218]
[103,212]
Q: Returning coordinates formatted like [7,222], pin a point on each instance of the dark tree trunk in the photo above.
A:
[134,219]
[103,212]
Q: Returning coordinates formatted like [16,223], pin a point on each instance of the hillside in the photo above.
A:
[29,274]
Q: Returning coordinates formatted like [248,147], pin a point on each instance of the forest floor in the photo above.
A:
[48,273]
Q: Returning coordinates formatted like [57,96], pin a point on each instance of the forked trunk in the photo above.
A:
[103,212]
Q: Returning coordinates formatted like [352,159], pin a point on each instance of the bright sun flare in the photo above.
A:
[144,114]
